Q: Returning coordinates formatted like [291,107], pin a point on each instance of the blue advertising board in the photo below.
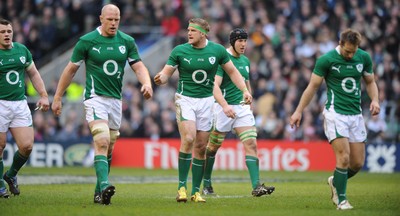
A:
[382,158]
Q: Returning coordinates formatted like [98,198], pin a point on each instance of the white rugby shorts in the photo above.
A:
[244,118]
[104,108]
[14,114]
[350,126]
[199,110]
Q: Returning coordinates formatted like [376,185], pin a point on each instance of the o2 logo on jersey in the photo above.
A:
[12,78]
[115,66]
[195,76]
[352,83]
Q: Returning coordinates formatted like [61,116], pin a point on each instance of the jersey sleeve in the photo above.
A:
[28,56]
[79,53]
[133,53]
[368,64]
[223,54]
[173,57]
[321,67]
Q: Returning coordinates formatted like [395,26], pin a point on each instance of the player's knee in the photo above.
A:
[344,160]
[357,166]
[101,144]
[25,150]
[250,147]
[201,150]
[188,139]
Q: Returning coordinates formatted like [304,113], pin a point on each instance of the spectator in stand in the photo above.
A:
[170,24]
[47,30]
[376,128]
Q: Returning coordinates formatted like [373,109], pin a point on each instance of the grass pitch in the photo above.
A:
[152,192]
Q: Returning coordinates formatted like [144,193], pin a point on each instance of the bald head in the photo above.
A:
[109,8]
[109,18]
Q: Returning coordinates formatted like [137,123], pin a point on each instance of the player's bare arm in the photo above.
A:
[143,75]
[219,97]
[162,77]
[236,78]
[37,81]
[250,90]
[65,79]
[372,90]
[308,94]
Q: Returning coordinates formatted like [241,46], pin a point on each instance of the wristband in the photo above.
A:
[245,89]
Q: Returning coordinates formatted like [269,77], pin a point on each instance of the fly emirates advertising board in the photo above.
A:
[273,155]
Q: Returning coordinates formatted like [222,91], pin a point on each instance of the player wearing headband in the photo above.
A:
[197,62]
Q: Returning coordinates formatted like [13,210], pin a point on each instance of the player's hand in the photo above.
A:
[295,119]
[147,91]
[374,108]
[229,112]
[160,79]
[56,106]
[43,104]
[247,98]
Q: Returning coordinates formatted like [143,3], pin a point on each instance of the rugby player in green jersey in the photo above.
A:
[230,114]
[197,62]
[15,60]
[105,52]
[342,69]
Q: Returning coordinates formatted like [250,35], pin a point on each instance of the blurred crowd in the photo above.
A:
[286,37]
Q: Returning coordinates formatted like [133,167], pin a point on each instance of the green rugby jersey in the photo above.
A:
[105,59]
[13,64]
[232,94]
[343,79]
[197,67]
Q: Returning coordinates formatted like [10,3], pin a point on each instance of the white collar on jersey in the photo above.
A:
[99,29]
[338,49]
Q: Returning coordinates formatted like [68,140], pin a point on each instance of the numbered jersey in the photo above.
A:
[343,79]
[232,94]
[13,64]
[105,59]
[197,68]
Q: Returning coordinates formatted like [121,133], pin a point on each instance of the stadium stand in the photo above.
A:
[286,37]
